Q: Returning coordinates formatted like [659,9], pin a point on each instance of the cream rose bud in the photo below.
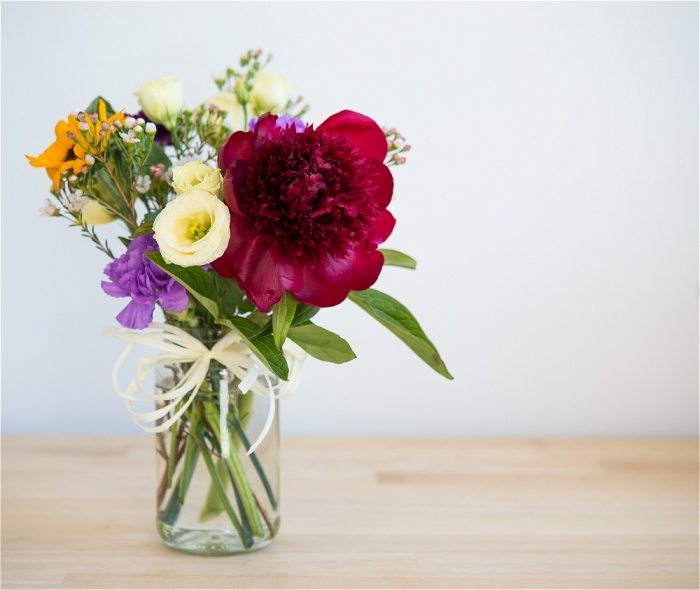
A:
[226,101]
[161,100]
[196,175]
[193,229]
[95,214]
[270,93]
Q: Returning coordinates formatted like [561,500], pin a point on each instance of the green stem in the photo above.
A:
[238,474]
[256,463]
[245,523]
[171,455]
[247,540]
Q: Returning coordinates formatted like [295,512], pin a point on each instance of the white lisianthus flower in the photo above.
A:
[193,229]
[161,100]
[270,93]
[95,214]
[226,101]
[196,175]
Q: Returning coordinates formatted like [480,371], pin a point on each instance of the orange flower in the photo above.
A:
[63,154]
[72,144]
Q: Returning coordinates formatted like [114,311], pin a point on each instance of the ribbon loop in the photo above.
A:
[177,346]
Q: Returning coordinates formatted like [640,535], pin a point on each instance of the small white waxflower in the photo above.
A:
[151,128]
[143,184]
[129,122]
[76,201]
[89,159]
[193,229]
[197,175]
[130,137]
[48,209]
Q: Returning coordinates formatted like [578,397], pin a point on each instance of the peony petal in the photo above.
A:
[331,281]
[383,227]
[362,132]
[259,271]
[291,274]
[224,264]
[239,146]
[384,181]
[358,271]
[233,180]
[265,128]
[318,292]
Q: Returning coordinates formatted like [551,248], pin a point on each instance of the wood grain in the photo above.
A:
[78,512]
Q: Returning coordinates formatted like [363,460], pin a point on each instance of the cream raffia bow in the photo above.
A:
[177,346]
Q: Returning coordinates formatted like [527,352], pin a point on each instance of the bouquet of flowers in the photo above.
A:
[241,222]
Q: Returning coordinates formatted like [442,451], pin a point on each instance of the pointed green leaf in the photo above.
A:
[142,230]
[321,343]
[196,280]
[264,348]
[304,313]
[229,293]
[106,192]
[282,316]
[93,107]
[396,258]
[401,322]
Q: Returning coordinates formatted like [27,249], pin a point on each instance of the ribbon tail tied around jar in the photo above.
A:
[177,346]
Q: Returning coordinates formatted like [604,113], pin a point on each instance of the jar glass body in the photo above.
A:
[210,501]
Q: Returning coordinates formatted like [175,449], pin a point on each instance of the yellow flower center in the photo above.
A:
[197,230]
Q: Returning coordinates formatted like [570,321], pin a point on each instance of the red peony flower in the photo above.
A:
[308,209]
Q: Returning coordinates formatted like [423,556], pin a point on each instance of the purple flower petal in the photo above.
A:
[135,276]
[136,316]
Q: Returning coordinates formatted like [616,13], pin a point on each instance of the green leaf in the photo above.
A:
[401,322]
[93,107]
[125,241]
[282,316]
[321,343]
[229,293]
[304,313]
[144,229]
[264,348]
[196,280]
[396,258]
[105,191]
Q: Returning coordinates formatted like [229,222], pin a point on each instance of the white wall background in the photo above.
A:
[551,199]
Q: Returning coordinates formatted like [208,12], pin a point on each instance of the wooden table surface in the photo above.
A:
[78,512]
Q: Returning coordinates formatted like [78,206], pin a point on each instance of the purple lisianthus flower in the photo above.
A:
[283,121]
[162,136]
[133,275]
